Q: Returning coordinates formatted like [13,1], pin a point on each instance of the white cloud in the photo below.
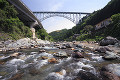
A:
[57,23]
[56,7]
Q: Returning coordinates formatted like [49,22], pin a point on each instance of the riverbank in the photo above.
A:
[24,43]
[77,60]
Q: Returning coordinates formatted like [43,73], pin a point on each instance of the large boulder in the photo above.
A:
[108,41]
[61,54]
[77,54]
[114,68]
[78,45]
[106,74]
[52,60]
[110,56]
[62,47]
[16,76]
[103,49]
[83,75]
[25,42]
[68,45]
[41,51]
[1,44]
[15,54]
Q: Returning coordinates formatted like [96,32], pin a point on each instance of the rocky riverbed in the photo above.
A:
[27,59]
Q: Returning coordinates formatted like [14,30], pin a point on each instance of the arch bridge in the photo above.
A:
[75,17]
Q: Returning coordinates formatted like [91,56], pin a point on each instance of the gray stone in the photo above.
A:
[103,49]
[110,72]
[108,41]
[61,54]
[77,54]
[110,56]
[83,75]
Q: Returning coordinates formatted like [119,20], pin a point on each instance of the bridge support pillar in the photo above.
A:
[33,31]
[33,24]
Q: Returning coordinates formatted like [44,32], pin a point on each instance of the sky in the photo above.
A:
[58,23]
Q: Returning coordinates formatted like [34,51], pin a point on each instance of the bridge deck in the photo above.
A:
[61,12]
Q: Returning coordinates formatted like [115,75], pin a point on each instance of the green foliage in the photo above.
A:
[10,24]
[60,35]
[42,34]
[114,27]
[86,27]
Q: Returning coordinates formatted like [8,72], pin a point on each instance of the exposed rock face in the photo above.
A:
[108,41]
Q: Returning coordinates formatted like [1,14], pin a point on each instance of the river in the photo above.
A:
[32,64]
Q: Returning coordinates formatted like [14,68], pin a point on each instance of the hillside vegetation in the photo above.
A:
[86,29]
[11,27]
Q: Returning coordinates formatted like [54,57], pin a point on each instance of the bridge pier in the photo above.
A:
[33,33]
[33,24]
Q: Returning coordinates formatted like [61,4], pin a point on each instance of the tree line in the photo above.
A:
[86,28]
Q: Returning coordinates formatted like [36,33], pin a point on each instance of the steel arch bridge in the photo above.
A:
[75,17]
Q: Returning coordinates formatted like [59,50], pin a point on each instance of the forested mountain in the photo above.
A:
[111,10]
[11,27]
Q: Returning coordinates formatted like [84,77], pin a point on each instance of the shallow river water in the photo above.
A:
[30,66]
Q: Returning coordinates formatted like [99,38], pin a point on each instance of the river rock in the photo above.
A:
[62,72]
[44,57]
[72,48]
[16,76]
[15,54]
[52,60]
[78,45]
[106,74]
[1,45]
[5,59]
[108,41]
[25,42]
[77,54]
[67,45]
[103,49]
[110,56]
[83,75]
[41,51]
[56,44]
[61,54]
[8,42]
[62,47]
[114,68]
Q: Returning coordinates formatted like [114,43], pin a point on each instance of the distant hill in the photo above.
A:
[88,24]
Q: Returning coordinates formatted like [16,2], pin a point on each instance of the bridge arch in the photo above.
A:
[75,17]
[67,17]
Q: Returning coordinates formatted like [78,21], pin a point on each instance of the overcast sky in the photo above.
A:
[57,23]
